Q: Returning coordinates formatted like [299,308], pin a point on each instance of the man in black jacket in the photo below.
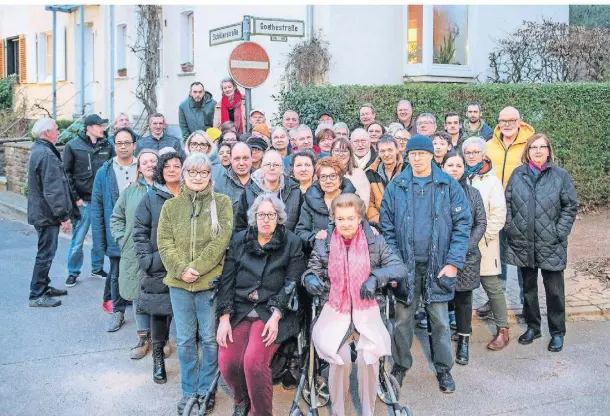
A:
[50,207]
[83,156]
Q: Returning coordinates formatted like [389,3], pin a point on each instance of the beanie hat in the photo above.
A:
[262,129]
[420,142]
[214,133]
[257,143]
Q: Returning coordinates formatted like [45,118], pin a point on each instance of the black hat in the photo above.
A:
[95,120]
[258,143]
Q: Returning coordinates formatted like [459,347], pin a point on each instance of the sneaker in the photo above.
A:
[452,323]
[54,292]
[71,281]
[445,382]
[107,306]
[44,302]
[99,274]
[116,320]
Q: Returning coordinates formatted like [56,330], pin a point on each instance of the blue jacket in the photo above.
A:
[104,196]
[451,223]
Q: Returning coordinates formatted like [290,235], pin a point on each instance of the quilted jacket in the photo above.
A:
[539,218]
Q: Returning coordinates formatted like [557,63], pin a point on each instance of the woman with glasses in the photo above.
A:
[272,179]
[199,141]
[228,136]
[541,209]
[375,130]
[263,265]
[315,212]
[302,165]
[482,176]
[342,149]
[193,235]
[402,136]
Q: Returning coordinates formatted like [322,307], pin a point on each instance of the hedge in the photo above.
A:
[574,116]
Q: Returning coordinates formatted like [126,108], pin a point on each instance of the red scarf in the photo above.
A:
[225,104]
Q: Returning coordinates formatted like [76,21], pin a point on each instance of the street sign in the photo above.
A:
[279,38]
[226,34]
[280,27]
[249,65]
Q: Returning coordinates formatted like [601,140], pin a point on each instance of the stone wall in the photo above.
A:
[3,142]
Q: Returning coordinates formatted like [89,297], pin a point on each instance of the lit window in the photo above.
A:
[450,35]
[415,34]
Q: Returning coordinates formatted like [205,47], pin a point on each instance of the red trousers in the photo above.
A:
[244,365]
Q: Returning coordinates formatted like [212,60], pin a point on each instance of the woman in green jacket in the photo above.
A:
[121,227]
[193,235]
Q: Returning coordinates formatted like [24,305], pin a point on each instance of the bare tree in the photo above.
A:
[307,63]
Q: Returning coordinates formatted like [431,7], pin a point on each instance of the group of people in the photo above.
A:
[223,229]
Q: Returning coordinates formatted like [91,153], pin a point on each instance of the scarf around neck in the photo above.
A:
[473,170]
[236,106]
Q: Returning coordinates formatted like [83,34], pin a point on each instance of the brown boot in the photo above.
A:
[500,341]
[141,349]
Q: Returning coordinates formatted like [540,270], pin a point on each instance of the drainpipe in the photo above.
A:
[309,21]
[82,59]
[54,65]
[112,63]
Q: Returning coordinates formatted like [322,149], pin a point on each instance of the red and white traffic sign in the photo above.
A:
[249,65]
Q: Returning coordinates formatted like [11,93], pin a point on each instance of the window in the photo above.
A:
[415,34]
[49,60]
[12,56]
[121,46]
[187,38]
[450,35]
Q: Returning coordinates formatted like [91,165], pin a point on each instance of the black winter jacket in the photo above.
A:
[290,194]
[50,200]
[469,277]
[539,218]
[261,278]
[82,160]
[314,212]
[154,294]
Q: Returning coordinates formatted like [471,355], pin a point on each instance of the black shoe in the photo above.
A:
[241,410]
[159,375]
[399,373]
[53,292]
[185,401]
[210,406]
[71,281]
[484,310]
[556,343]
[529,336]
[461,351]
[452,322]
[445,382]
[44,302]
[100,274]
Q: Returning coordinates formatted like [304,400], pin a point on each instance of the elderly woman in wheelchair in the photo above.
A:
[345,272]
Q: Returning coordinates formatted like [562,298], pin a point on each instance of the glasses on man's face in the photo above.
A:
[272,165]
[424,123]
[472,154]
[331,177]
[123,144]
[269,215]
[203,173]
[508,122]
[359,142]
[539,148]
[203,146]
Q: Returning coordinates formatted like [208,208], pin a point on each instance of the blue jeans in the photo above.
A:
[75,255]
[195,311]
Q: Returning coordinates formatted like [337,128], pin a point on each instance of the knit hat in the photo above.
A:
[262,129]
[420,142]
[257,143]
[214,133]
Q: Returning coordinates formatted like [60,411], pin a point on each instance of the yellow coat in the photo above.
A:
[506,160]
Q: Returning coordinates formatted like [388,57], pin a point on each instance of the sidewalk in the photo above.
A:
[586,296]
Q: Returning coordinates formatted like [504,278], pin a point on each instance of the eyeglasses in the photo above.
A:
[340,152]
[357,142]
[199,145]
[123,144]
[203,173]
[468,154]
[269,215]
[400,139]
[272,165]
[508,122]
[332,177]
[423,123]
[538,148]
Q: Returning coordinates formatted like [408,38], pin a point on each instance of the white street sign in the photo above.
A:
[226,34]
[280,27]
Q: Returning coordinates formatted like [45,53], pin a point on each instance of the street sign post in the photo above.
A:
[226,34]
[279,27]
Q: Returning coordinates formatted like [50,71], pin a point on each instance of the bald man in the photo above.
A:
[233,181]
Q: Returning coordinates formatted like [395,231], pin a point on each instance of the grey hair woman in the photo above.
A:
[278,207]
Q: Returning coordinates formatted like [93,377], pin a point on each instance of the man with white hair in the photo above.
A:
[404,111]
[426,124]
[364,153]
[50,208]
[121,121]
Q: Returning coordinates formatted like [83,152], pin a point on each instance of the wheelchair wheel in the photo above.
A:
[191,408]
[322,392]
[383,390]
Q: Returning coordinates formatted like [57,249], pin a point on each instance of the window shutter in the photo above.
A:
[2,60]
[61,53]
[22,60]
[31,75]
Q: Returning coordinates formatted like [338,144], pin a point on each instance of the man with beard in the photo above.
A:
[474,125]
[197,111]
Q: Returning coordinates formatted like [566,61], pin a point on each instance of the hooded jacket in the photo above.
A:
[377,178]
[314,212]
[506,159]
[261,278]
[82,160]
[104,197]
[539,217]
[192,117]
[154,296]
[227,182]
[50,200]
[289,192]
[483,131]
[451,223]
[184,237]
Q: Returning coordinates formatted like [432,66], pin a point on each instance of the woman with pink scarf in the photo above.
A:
[344,271]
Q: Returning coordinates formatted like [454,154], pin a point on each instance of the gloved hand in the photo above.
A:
[368,288]
[313,285]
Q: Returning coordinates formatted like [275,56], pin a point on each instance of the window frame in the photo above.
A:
[187,37]
[121,50]
[427,68]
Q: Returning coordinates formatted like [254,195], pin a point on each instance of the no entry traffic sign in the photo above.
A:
[249,65]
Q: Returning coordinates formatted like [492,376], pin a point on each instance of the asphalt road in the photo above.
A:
[61,361]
